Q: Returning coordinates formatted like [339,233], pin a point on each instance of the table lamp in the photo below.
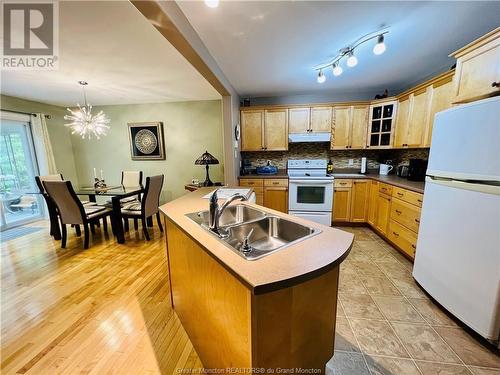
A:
[206,159]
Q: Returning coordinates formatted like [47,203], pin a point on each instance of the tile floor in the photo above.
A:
[387,325]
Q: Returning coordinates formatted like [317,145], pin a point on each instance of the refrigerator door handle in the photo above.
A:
[457,184]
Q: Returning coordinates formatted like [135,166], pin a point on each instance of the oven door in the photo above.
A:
[310,195]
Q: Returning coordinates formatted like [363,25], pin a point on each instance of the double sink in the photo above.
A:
[264,233]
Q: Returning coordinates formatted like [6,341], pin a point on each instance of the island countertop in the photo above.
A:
[292,265]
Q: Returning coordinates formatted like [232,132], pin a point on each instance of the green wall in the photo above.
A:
[60,136]
[190,128]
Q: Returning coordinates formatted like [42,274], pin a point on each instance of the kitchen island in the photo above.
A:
[275,312]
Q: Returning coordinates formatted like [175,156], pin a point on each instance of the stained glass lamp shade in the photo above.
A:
[206,159]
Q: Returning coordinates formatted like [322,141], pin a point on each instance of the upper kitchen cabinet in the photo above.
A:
[416,110]
[381,124]
[264,130]
[321,119]
[412,119]
[477,74]
[349,127]
[252,124]
[441,94]
[276,130]
[299,120]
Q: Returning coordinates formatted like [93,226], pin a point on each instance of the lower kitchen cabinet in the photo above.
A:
[359,200]
[342,204]
[404,238]
[372,203]
[276,194]
[270,193]
[383,213]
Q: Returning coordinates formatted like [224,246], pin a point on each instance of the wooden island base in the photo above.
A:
[231,326]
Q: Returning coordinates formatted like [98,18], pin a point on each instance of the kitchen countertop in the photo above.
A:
[281,174]
[403,182]
[292,265]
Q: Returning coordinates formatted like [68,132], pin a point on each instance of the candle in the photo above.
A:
[95,173]
[102,175]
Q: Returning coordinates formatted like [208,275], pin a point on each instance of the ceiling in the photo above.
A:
[123,57]
[268,48]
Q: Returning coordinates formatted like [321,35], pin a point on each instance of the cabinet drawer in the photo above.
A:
[402,237]
[276,182]
[408,196]
[343,182]
[405,214]
[385,188]
[253,182]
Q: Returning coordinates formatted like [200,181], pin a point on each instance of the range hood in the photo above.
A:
[309,137]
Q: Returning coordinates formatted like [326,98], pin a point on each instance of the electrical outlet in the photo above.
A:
[351,162]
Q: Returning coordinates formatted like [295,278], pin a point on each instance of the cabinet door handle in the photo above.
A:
[343,183]
[276,183]
[417,221]
[398,212]
[419,200]
[396,234]
[400,194]
[412,245]
[495,84]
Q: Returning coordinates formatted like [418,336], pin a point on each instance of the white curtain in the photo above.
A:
[43,147]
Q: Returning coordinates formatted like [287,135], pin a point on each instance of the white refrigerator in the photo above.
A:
[458,249]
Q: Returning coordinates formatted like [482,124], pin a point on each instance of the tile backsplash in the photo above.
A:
[340,158]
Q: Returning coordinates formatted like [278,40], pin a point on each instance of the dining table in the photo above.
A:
[116,193]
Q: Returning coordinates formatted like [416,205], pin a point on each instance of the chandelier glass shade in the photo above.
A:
[84,123]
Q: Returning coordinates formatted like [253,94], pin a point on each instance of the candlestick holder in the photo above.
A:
[99,184]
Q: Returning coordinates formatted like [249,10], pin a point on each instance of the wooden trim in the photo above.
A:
[153,11]
[438,80]
[305,105]
[481,41]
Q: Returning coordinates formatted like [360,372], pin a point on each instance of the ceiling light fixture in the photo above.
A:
[321,77]
[212,3]
[337,69]
[83,122]
[352,60]
[348,52]
[379,48]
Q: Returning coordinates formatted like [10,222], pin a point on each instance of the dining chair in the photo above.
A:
[131,179]
[72,211]
[148,206]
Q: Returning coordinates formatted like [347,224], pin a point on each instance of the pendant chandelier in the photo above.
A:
[83,122]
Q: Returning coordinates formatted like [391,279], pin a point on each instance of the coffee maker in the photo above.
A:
[417,169]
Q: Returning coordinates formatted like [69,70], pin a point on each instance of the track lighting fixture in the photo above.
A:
[337,69]
[379,48]
[352,60]
[321,77]
[212,3]
[348,52]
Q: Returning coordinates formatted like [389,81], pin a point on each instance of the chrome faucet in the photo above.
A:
[216,211]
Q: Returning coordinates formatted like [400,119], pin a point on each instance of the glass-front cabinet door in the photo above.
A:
[381,124]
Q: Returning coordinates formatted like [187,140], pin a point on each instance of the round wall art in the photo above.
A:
[145,141]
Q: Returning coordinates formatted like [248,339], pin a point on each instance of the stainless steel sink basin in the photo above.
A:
[268,233]
[232,215]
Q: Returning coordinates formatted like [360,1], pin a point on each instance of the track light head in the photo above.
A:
[337,69]
[379,48]
[352,60]
[321,76]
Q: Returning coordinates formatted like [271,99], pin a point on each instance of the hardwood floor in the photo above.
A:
[96,311]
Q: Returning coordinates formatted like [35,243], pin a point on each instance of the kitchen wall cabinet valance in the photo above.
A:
[349,127]
[477,74]
[264,130]
[381,124]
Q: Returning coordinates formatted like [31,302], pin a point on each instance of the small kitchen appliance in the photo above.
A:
[402,171]
[310,193]
[416,169]
[267,169]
